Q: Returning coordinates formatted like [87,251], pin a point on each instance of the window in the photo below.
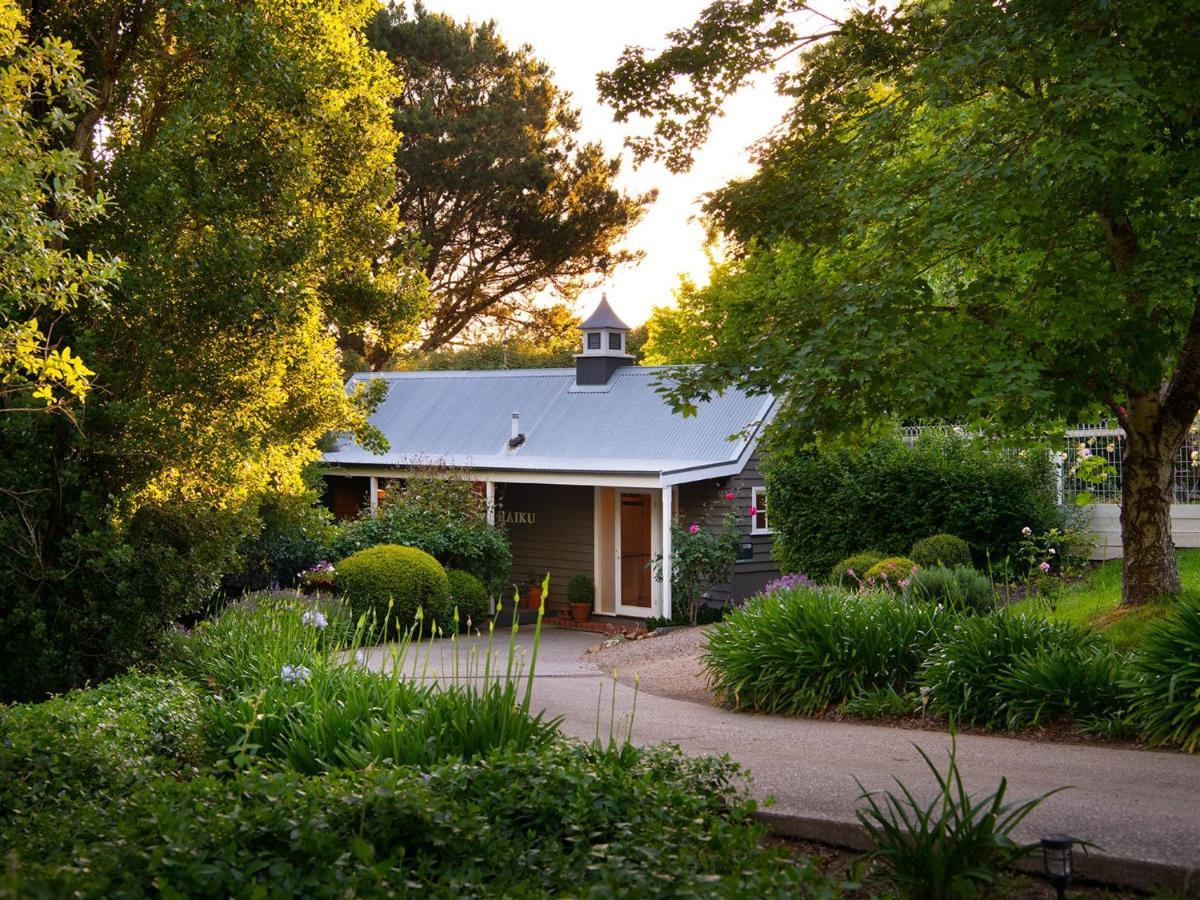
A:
[593,339]
[760,525]
[614,341]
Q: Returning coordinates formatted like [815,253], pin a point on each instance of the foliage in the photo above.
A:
[827,504]
[891,572]
[402,830]
[401,585]
[42,92]
[294,535]
[701,559]
[961,588]
[247,152]
[1166,678]
[581,589]
[972,211]
[941,550]
[490,175]
[547,337]
[441,514]
[804,650]
[854,567]
[965,668]
[468,598]
[952,847]
[881,702]
[1082,683]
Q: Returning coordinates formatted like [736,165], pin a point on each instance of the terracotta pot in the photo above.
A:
[580,612]
[534,598]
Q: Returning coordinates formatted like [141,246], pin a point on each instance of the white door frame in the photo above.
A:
[642,612]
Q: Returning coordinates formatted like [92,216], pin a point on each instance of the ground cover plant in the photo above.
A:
[275,763]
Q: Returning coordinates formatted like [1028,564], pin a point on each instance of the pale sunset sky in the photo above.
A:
[578,40]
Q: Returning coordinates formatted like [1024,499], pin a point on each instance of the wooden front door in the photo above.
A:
[636,523]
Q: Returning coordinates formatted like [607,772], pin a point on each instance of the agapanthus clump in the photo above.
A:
[788,582]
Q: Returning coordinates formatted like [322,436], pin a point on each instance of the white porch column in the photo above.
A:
[491,502]
[374,495]
[667,516]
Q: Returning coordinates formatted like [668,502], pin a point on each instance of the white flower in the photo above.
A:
[1052,551]
[360,657]
[295,674]
[1027,531]
[314,617]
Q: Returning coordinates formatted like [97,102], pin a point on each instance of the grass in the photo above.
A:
[1095,601]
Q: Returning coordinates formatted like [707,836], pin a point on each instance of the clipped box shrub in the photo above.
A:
[1166,678]
[853,568]
[962,588]
[944,550]
[469,597]
[393,582]
[804,650]
[581,589]
[891,571]
[827,504]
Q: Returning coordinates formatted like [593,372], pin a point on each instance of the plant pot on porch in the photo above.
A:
[580,612]
[534,598]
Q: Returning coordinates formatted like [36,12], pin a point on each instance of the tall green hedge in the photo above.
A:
[828,504]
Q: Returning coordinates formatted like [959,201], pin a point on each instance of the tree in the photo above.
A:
[504,201]
[974,209]
[548,338]
[41,88]
[248,150]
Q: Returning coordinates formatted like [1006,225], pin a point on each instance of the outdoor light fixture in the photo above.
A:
[1056,861]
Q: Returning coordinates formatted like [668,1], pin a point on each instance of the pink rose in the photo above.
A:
[729,495]
[753,511]
[1045,567]
[695,529]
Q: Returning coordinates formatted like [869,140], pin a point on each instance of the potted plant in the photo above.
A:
[318,579]
[581,594]
[533,599]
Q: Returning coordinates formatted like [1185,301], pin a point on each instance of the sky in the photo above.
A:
[578,40]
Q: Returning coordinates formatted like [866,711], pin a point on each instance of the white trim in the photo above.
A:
[490,487]
[374,498]
[510,476]
[668,500]
[642,612]
[596,562]
[757,491]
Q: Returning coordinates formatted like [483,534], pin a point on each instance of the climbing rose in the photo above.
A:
[729,495]
[753,511]
[695,529]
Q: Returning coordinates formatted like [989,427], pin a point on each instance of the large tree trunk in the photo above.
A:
[1149,570]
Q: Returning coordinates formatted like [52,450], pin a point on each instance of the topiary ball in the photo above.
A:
[888,573]
[469,597]
[944,550]
[581,589]
[854,568]
[405,578]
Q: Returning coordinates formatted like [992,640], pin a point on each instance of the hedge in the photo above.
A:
[829,504]
[394,581]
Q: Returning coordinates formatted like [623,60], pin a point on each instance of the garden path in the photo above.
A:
[1141,808]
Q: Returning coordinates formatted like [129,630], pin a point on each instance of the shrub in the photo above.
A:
[1077,682]
[961,588]
[469,597]
[825,504]
[1166,678]
[804,650]
[581,589]
[880,702]
[951,847]
[965,668]
[442,515]
[891,572]
[941,550]
[295,533]
[853,568]
[390,831]
[393,582]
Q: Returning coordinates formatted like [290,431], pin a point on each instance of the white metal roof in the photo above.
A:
[463,420]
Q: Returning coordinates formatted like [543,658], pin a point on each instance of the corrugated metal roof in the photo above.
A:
[463,419]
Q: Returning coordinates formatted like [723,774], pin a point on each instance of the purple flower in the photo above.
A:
[788,582]
[295,674]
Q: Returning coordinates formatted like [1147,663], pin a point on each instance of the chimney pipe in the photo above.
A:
[516,425]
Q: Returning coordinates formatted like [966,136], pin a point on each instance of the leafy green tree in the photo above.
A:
[548,338]
[42,88]
[974,209]
[248,150]
[491,177]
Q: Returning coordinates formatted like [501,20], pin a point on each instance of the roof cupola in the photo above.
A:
[603,346]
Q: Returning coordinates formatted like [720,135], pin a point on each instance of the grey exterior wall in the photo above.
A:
[559,540]
[751,574]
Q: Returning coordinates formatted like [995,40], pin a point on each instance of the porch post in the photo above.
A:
[491,502]
[667,516]
[374,495]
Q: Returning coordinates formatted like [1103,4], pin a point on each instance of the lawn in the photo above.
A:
[1095,600]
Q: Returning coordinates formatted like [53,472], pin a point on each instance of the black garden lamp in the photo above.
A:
[1056,861]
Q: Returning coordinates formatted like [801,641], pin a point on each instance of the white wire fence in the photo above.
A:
[1105,442]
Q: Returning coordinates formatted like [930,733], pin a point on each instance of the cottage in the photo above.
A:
[586,467]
